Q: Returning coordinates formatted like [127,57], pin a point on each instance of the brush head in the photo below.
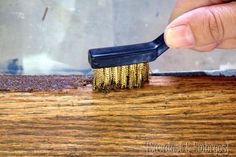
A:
[124,66]
[127,55]
[121,77]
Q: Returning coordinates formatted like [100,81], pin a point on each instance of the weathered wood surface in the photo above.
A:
[175,112]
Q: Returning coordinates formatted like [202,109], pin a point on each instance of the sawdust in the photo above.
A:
[25,83]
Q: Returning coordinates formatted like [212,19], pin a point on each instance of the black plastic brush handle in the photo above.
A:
[161,45]
[127,55]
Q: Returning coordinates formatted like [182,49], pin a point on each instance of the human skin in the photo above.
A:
[202,25]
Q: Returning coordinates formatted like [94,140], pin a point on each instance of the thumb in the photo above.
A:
[204,28]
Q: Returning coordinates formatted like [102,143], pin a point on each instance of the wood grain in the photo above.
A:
[195,113]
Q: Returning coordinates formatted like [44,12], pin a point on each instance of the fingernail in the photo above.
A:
[180,37]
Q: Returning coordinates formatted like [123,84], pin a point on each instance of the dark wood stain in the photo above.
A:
[79,122]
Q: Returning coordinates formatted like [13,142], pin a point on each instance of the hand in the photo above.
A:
[202,25]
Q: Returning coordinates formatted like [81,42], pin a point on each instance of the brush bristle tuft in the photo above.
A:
[122,77]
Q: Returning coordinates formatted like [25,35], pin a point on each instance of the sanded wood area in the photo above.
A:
[171,116]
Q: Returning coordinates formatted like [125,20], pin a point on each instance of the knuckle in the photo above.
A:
[215,25]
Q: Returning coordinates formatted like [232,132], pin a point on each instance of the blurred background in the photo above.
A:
[53,36]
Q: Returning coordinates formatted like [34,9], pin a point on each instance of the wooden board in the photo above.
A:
[170,116]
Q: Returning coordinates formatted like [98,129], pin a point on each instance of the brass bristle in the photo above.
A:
[131,76]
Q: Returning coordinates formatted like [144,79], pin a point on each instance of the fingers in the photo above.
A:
[228,44]
[204,28]
[183,6]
